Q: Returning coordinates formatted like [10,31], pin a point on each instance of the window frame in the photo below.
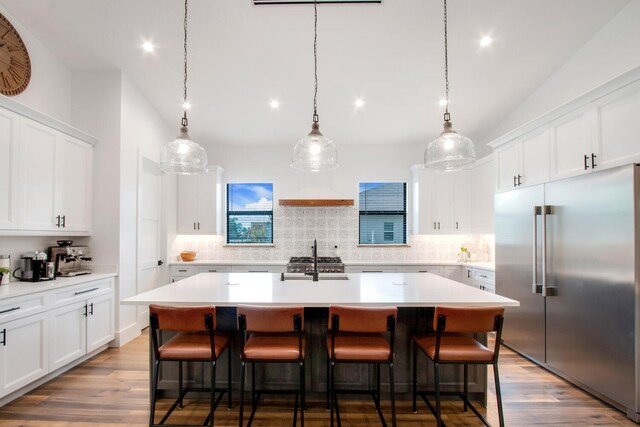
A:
[226,213]
[405,215]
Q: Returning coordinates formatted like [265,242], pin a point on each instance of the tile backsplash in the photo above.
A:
[295,228]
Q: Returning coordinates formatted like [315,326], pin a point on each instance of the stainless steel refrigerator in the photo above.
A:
[569,251]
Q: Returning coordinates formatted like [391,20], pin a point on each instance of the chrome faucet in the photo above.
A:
[314,273]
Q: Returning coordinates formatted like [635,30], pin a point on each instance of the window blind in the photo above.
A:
[249,213]
[383,213]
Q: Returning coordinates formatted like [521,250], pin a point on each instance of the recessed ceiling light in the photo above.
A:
[442,102]
[485,41]
[275,104]
[148,47]
[186,105]
[359,103]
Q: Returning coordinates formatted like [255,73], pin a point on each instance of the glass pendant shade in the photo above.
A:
[314,152]
[183,156]
[450,151]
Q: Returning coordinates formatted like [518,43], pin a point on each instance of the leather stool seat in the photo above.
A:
[194,345]
[273,346]
[359,346]
[453,347]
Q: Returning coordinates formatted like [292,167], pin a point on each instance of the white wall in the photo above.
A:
[49,90]
[614,50]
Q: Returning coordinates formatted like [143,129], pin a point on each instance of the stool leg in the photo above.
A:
[241,410]
[180,383]
[253,387]
[393,395]
[414,362]
[498,394]
[466,386]
[376,397]
[330,385]
[213,391]
[302,386]
[154,391]
[438,412]
[229,376]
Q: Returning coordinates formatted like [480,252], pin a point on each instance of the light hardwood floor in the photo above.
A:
[112,389]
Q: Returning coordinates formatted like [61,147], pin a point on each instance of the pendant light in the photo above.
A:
[184,156]
[315,152]
[449,151]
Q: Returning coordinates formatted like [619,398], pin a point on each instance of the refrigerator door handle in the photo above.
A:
[536,289]
[546,210]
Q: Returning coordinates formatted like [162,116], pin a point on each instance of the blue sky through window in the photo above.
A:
[251,197]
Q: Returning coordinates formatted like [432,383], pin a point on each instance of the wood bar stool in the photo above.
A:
[271,335]
[196,341]
[359,335]
[452,344]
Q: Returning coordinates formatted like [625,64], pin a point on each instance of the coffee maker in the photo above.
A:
[33,267]
[70,260]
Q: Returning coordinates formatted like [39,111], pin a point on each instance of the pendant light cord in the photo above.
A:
[447,117]
[315,61]
[184,94]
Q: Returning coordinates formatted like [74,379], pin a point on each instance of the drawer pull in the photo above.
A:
[182,271]
[423,271]
[87,291]
[484,276]
[9,310]
[212,271]
[258,271]
[372,271]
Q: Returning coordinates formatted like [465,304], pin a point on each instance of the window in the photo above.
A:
[383,213]
[250,213]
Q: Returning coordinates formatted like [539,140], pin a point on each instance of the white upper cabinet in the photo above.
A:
[39,182]
[618,128]
[55,180]
[9,171]
[453,202]
[524,161]
[199,203]
[482,197]
[571,144]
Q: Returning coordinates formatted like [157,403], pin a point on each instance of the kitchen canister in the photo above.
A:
[5,262]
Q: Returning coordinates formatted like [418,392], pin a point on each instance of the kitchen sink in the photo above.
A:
[285,277]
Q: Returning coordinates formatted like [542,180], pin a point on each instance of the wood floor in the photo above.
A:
[112,389]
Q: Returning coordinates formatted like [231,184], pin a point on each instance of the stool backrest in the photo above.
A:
[183,319]
[270,319]
[468,319]
[361,319]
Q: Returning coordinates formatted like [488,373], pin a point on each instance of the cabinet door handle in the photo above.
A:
[519,178]
[58,221]
[438,225]
[456,225]
[194,225]
[515,183]
[593,160]
[9,310]
[468,274]
[91,309]
[434,225]
[586,162]
[85,311]
[4,337]
[64,221]
[198,226]
[84,292]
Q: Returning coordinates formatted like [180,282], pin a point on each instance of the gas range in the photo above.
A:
[325,264]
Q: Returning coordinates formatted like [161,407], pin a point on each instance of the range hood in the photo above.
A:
[316,202]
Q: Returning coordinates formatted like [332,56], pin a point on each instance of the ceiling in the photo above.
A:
[391,55]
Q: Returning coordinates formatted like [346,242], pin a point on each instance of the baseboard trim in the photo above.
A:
[125,335]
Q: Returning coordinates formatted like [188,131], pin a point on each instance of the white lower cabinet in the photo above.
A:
[258,269]
[24,353]
[438,270]
[372,269]
[80,328]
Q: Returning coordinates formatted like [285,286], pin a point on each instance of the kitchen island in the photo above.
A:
[414,294]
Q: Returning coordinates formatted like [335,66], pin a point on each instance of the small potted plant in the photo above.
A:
[464,255]
[3,271]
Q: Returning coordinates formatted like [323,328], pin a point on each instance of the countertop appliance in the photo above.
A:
[569,251]
[70,260]
[33,267]
[325,264]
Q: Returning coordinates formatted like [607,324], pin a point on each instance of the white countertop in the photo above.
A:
[15,289]
[481,265]
[398,289]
